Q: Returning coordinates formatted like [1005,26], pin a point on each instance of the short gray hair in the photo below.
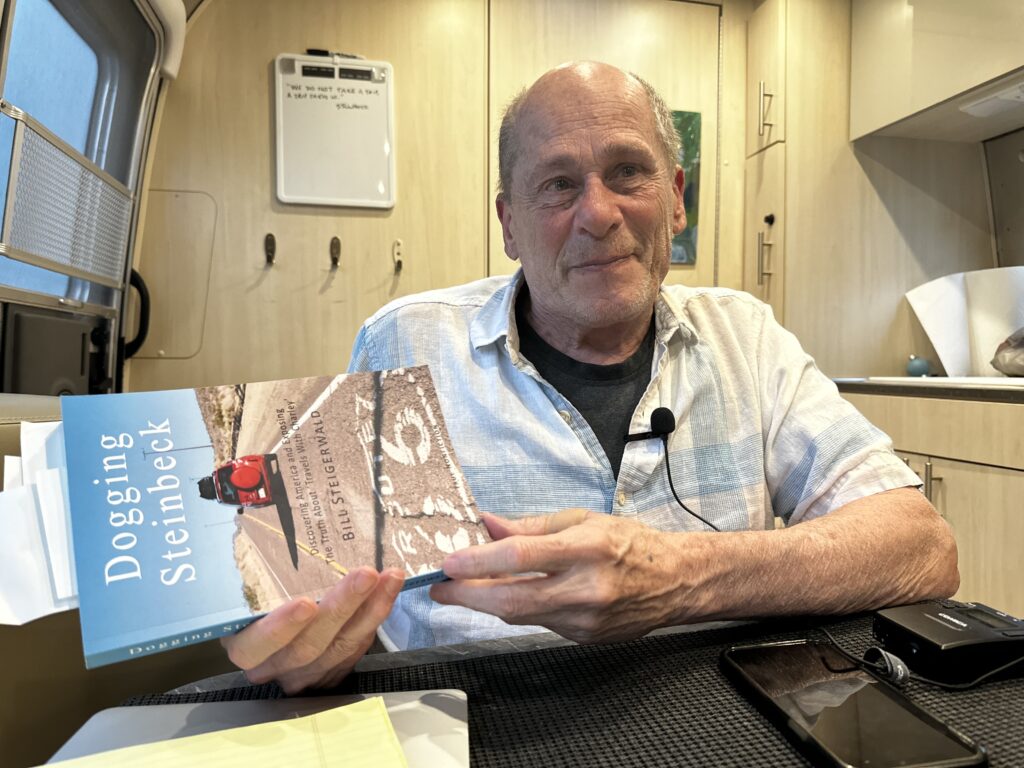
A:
[508,137]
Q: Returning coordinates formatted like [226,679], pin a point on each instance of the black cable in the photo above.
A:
[668,468]
[913,675]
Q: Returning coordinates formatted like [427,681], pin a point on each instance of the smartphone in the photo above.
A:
[839,715]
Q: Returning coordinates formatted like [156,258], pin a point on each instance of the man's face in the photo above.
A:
[593,204]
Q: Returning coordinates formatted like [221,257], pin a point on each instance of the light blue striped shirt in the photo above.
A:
[760,432]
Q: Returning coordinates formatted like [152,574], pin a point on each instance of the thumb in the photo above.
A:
[538,525]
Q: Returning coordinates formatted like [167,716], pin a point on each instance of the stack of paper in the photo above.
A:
[37,574]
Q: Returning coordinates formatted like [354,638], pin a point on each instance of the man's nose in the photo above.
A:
[597,212]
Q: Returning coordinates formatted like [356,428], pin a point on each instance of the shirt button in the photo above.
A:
[622,498]
[566,416]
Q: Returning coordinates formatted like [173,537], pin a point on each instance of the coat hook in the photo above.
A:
[396,255]
[335,252]
[270,248]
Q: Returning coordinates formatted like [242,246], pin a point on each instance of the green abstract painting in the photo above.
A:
[684,245]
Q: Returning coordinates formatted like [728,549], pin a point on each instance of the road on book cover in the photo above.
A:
[323,434]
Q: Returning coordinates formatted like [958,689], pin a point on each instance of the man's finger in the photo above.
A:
[514,555]
[266,636]
[515,599]
[347,646]
[537,525]
[336,607]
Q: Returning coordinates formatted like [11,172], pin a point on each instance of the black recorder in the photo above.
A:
[952,642]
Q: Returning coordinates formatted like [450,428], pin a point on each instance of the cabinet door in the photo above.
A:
[764,231]
[982,504]
[766,75]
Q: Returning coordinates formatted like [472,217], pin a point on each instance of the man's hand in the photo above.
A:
[301,644]
[593,577]
[587,576]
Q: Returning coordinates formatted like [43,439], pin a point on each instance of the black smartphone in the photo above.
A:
[837,714]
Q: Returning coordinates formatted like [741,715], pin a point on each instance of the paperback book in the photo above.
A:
[194,512]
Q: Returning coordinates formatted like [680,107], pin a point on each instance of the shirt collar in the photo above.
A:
[497,317]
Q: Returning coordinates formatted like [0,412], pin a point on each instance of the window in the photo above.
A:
[80,69]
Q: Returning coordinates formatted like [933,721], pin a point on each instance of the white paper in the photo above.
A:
[51,485]
[968,314]
[12,472]
[995,299]
[42,447]
[25,592]
[941,306]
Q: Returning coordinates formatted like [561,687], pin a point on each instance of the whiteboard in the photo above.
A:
[335,131]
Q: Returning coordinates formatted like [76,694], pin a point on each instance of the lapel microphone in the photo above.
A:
[663,424]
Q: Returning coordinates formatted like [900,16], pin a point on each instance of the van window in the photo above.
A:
[57,89]
[80,69]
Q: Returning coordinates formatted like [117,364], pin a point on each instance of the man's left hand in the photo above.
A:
[587,576]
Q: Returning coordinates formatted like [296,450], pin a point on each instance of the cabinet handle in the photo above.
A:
[761,245]
[760,258]
[929,480]
[762,94]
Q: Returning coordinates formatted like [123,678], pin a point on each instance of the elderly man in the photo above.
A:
[542,375]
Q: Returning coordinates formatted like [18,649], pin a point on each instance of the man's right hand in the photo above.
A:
[303,645]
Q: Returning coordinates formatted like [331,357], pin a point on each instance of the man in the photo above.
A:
[543,375]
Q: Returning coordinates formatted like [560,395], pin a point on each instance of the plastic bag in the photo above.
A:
[1009,357]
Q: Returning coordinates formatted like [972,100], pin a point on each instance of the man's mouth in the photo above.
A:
[602,262]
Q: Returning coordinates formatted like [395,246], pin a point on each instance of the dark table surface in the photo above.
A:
[660,700]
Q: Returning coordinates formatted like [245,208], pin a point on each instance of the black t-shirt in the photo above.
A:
[605,395]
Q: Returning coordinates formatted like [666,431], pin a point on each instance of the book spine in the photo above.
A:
[158,645]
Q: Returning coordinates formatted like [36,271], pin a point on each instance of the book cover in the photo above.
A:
[194,512]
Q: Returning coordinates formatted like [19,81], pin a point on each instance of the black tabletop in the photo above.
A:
[660,700]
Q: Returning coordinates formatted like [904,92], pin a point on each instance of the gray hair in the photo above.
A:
[508,137]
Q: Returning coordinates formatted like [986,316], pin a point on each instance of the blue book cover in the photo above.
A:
[194,512]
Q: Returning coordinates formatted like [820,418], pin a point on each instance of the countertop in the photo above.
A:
[989,389]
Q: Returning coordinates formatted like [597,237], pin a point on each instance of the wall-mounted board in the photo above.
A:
[335,131]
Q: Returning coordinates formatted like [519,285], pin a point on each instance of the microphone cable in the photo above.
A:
[663,423]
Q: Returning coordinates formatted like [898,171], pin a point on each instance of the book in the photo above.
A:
[195,511]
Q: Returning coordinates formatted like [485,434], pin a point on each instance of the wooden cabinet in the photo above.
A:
[766,75]
[967,454]
[976,501]
[910,56]
[764,227]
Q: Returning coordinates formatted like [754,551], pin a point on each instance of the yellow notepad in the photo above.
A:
[355,735]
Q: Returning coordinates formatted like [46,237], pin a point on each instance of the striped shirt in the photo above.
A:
[760,432]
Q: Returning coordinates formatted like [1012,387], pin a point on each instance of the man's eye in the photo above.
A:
[629,170]
[561,184]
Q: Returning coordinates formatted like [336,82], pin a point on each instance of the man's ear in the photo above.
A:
[678,209]
[504,211]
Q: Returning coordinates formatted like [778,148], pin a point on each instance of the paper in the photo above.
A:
[355,736]
[966,315]
[42,447]
[12,472]
[56,517]
[25,586]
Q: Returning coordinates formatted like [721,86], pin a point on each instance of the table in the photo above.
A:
[659,700]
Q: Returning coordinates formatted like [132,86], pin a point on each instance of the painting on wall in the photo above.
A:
[684,245]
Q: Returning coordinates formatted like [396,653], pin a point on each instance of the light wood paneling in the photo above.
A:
[968,430]
[178,260]
[865,222]
[673,45]
[765,276]
[766,67]
[299,317]
[911,55]
[981,505]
